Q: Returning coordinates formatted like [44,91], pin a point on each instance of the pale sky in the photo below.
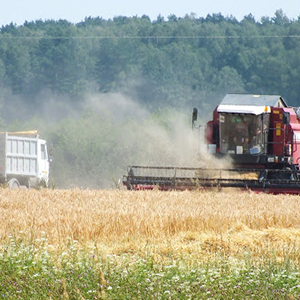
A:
[19,11]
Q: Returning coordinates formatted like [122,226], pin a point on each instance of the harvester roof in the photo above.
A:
[250,104]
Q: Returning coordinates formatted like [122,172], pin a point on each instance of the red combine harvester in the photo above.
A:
[259,134]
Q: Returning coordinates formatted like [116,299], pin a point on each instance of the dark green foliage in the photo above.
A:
[156,61]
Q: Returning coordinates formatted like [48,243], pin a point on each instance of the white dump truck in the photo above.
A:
[23,159]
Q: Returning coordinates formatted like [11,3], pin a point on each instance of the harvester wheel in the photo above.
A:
[288,174]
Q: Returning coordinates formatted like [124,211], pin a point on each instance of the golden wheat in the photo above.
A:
[188,223]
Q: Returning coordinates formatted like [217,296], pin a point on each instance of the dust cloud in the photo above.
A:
[94,140]
[161,138]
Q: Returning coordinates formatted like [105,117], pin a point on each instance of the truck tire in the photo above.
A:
[13,184]
[42,184]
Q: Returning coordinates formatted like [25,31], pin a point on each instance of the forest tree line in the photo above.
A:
[161,62]
[54,73]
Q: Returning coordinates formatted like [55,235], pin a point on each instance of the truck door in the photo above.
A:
[43,161]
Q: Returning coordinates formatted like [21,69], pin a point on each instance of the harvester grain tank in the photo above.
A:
[259,134]
[23,159]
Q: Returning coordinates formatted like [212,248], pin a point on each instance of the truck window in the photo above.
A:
[43,151]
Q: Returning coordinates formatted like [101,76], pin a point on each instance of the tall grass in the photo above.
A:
[95,244]
[174,221]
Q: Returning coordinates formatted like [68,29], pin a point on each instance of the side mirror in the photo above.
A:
[286,118]
[195,114]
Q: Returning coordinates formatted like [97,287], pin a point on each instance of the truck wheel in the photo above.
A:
[13,184]
[42,184]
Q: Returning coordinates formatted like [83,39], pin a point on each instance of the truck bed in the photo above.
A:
[18,155]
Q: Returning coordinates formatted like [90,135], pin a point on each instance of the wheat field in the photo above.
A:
[186,223]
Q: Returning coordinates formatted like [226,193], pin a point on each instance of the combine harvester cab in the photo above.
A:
[259,134]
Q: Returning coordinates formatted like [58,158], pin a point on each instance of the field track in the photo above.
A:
[194,223]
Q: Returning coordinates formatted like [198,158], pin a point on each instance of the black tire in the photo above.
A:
[13,184]
[42,184]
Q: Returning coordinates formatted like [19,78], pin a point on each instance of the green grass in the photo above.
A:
[35,272]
